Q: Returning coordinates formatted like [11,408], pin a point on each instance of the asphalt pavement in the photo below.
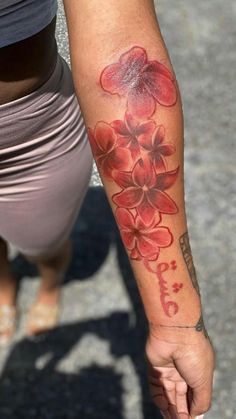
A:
[91,366]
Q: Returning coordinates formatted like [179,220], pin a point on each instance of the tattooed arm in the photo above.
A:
[132,108]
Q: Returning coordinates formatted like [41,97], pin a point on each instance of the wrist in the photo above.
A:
[184,333]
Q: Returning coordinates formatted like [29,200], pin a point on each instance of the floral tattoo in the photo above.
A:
[143,82]
[133,152]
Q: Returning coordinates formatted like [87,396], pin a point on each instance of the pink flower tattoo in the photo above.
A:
[157,149]
[141,240]
[104,144]
[131,133]
[144,190]
[144,82]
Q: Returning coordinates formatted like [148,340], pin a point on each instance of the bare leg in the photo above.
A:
[8,282]
[52,270]
[8,293]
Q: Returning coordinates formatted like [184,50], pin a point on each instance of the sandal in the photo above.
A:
[42,318]
[7,323]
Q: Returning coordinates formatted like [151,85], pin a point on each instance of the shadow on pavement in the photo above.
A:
[31,391]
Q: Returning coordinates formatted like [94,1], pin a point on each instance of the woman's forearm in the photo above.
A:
[132,108]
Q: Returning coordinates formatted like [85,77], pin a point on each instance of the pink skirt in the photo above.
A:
[45,165]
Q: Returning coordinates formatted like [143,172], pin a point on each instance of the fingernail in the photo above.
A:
[199,417]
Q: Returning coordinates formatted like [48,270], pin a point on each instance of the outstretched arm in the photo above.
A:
[132,108]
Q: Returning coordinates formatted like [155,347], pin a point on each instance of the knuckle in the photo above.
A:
[208,406]
[205,407]
[201,409]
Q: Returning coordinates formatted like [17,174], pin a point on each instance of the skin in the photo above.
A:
[179,355]
[36,59]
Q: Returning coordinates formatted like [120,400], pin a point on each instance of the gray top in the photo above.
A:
[20,19]
[7,3]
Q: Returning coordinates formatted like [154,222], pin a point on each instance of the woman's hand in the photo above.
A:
[180,374]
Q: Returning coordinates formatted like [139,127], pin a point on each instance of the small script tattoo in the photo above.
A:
[187,255]
[169,306]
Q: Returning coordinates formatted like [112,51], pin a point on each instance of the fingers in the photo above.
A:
[181,400]
[166,415]
[168,394]
[164,402]
[173,396]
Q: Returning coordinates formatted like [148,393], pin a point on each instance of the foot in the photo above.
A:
[42,318]
[44,313]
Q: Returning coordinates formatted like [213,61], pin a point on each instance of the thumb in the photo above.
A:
[200,400]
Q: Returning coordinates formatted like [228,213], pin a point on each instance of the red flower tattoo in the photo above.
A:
[109,156]
[144,190]
[131,133]
[157,150]
[133,153]
[144,82]
[143,241]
